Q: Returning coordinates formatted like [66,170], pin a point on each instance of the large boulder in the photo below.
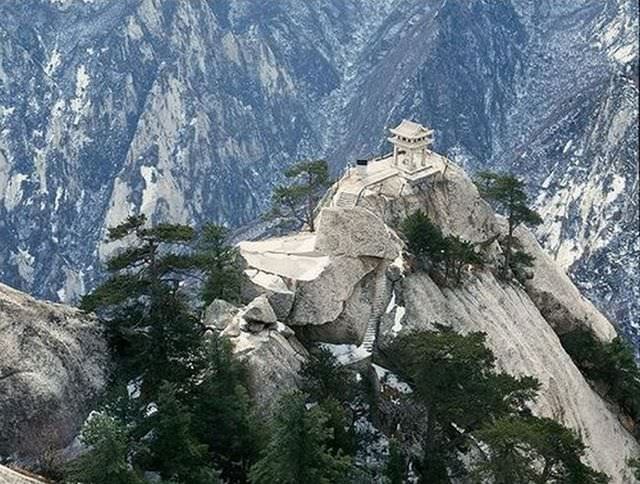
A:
[322,299]
[53,365]
[259,311]
[219,314]
[354,232]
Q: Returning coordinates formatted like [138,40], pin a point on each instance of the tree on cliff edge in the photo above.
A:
[298,198]
[508,193]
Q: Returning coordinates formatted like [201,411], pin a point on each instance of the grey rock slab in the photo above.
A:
[354,232]
[219,314]
[260,311]
[322,299]
[273,362]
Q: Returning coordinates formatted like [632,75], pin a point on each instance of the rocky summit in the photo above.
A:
[142,143]
[350,287]
[190,110]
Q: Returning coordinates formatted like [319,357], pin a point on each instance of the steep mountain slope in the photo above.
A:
[547,90]
[351,285]
[190,110]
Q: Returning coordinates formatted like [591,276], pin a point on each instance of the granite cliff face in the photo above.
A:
[353,289]
[53,365]
[190,110]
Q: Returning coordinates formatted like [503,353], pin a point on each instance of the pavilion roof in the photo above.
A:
[409,129]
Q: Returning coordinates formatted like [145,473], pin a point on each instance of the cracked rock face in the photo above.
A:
[53,364]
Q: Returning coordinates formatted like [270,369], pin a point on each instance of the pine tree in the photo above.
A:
[424,239]
[453,377]
[219,263]
[151,329]
[157,339]
[508,192]
[611,363]
[328,383]
[434,251]
[458,254]
[298,451]
[106,460]
[225,414]
[298,199]
[173,449]
[323,377]
[533,450]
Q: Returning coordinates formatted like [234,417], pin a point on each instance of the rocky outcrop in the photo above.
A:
[340,280]
[274,287]
[219,314]
[270,350]
[273,358]
[309,286]
[557,298]
[259,311]
[354,232]
[53,364]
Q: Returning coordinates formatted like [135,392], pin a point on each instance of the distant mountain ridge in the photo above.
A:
[190,110]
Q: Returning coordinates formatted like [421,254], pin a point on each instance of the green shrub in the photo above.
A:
[611,364]
[435,252]
[471,405]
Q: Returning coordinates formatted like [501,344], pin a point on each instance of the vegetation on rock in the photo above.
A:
[533,450]
[308,181]
[299,451]
[435,252]
[107,460]
[470,408]
[611,365]
[507,192]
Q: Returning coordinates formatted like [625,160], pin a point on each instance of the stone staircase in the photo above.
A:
[378,307]
[346,200]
